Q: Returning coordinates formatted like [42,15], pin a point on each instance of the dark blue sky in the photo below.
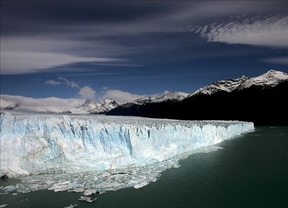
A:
[125,49]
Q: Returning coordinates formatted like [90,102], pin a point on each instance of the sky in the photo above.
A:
[125,50]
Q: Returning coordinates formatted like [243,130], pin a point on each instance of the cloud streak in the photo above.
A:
[15,62]
[69,83]
[277,60]
[270,32]
[116,32]
[43,102]
[63,81]
[52,82]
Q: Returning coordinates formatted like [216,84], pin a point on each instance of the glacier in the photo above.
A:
[56,144]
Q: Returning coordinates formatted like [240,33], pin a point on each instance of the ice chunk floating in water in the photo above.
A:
[34,144]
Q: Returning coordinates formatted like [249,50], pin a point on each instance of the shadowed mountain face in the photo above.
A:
[262,100]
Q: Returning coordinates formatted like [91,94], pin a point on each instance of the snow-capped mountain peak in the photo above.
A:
[226,85]
[8,105]
[272,74]
[89,104]
[142,101]
[171,96]
[166,96]
[100,107]
[270,78]
[109,101]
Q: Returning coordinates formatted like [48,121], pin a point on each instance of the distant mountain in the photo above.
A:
[86,108]
[261,99]
[8,105]
[176,96]
[100,107]
[172,96]
[269,79]
[226,85]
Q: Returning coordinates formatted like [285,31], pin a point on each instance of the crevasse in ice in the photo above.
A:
[33,144]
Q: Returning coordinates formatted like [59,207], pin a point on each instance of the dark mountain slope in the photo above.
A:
[264,102]
[262,106]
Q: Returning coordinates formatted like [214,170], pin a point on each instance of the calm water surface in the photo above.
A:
[250,171]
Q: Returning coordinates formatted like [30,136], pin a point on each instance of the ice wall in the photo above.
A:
[33,144]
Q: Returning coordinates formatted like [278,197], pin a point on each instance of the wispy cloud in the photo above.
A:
[15,62]
[69,83]
[43,102]
[270,32]
[52,82]
[37,79]
[36,37]
[63,81]
[276,60]
[118,64]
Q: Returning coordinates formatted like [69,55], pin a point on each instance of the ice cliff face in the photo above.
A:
[50,144]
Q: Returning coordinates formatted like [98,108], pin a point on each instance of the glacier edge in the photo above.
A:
[34,144]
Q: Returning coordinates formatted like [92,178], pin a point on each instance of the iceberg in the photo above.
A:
[56,144]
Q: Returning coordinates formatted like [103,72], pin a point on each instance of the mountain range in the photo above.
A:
[261,99]
[178,96]
[88,107]
[100,107]
[85,107]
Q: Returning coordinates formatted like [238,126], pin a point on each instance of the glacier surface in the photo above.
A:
[58,144]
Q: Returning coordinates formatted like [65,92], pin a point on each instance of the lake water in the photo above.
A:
[248,171]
